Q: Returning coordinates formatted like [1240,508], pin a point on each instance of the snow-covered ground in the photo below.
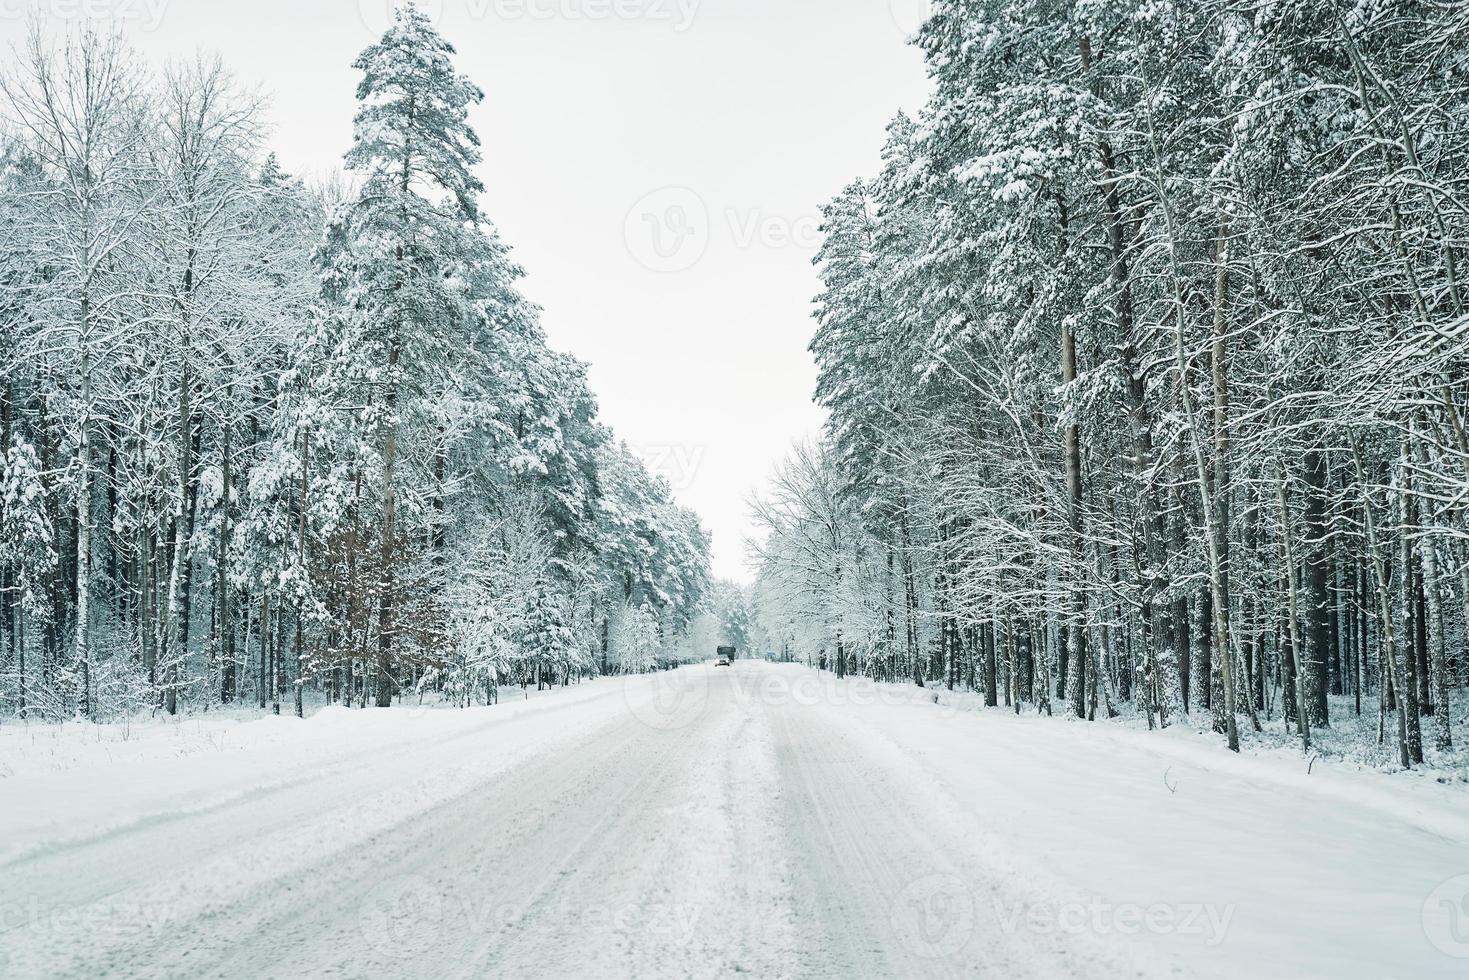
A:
[760,820]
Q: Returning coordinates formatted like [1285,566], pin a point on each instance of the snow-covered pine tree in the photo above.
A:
[409,232]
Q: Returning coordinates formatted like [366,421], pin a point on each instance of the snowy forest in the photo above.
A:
[1146,352]
[265,441]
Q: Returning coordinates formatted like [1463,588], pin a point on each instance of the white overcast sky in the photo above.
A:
[657,166]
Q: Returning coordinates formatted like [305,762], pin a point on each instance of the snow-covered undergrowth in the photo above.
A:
[1351,742]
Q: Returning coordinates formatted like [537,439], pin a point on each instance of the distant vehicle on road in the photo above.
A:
[726,657]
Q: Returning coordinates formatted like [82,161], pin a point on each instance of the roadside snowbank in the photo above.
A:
[77,781]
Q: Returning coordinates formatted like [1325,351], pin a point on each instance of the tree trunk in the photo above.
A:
[384,693]
[180,590]
[301,563]
[1223,637]
[1406,681]
[265,673]
[1428,556]
[1384,609]
[1316,592]
[226,624]
[84,518]
[1293,617]
[991,668]
[9,598]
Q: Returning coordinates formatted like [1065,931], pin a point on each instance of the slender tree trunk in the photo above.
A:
[1293,616]
[1317,594]
[1385,623]
[84,513]
[19,639]
[1072,455]
[1218,600]
[1406,681]
[1223,636]
[1438,669]
[991,668]
[1140,421]
[1076,627]
[355,617]
[12,599]
[385,625]
[301,564]
[910,586]
[180,590]
[10,608]
[226,625]
[265,672]
[278,661]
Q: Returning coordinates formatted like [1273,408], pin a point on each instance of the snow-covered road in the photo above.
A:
[765,821]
